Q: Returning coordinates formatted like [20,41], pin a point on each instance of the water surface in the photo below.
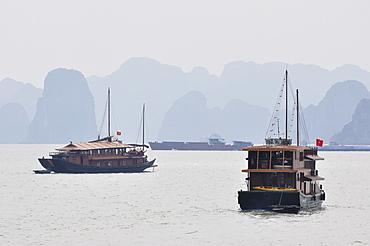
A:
[189,199]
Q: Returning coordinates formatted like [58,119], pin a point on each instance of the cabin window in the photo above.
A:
[309,164]
[252,159]
[281,158]
[273,180]
[277,158]
[259,179]
[277,179]
[280,180]
[288,158]
[263,159]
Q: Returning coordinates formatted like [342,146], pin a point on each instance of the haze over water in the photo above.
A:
[189,199]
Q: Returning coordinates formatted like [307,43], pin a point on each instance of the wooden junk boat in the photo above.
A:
[280,176]
[100,156]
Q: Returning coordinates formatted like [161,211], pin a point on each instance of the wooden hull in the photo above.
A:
[279,201]
[62,166]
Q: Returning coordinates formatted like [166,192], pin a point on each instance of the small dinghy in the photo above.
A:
[44,171]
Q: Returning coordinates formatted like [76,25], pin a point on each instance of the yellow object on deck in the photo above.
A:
[271,188]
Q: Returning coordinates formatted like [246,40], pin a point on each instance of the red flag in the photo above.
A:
[319,142]
[118,133]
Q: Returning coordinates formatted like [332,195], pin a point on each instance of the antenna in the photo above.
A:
[109,136]
[286,104]
[297,118]
[143,125]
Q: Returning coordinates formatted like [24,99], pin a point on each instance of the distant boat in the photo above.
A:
[212,144]
[280,176]
[100,156]
[336,147]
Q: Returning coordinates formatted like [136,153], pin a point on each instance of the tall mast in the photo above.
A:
[143,124]
[297,118]
[109,136]
[286,104]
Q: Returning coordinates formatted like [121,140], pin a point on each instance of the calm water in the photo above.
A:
[190,199]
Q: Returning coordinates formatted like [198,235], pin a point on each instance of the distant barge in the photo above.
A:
[212,144]
[345,148]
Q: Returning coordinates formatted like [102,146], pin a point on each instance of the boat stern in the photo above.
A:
[269,200]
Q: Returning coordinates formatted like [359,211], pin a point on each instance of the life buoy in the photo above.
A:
[267,195]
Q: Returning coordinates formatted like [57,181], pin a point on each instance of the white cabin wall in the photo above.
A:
[296,162]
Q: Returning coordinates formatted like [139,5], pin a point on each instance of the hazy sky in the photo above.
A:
[96,37]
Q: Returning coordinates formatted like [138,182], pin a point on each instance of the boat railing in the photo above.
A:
[311,151]
[282,167]
[278,141]
[63,153]
[54,153]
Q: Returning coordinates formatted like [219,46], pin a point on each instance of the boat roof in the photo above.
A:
[314,157]
[95,145]
[314,177]
[275,148]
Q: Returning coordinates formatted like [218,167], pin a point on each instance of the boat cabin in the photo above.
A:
[112,153]
[282,167]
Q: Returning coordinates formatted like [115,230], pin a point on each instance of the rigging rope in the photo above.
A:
[274,127]
[103,120]
[303,126]
[293,112]
[116,122]
[140,127]
[274,118]
[138,133]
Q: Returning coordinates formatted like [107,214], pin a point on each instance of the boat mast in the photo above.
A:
[297,118]
[286,104]
[143,124]
[274,122]
[109,136]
